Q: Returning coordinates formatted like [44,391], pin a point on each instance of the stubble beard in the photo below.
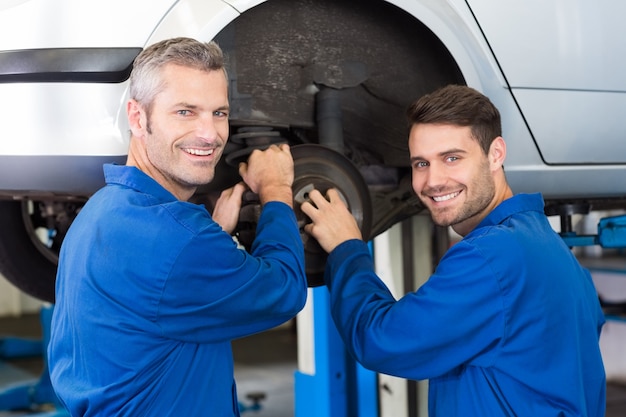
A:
[484,193]
[184,174]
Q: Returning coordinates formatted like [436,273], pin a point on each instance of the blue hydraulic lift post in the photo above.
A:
[340,387]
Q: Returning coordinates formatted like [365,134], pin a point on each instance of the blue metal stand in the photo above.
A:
[33,395]
[340,386]
[611,234]
[255,403]
[14,347]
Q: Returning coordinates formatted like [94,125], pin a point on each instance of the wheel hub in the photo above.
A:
[321,168]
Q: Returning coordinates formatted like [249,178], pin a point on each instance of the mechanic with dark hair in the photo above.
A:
[151,289]
[508,324]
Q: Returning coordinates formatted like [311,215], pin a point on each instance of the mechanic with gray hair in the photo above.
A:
[151,289]
[508,324]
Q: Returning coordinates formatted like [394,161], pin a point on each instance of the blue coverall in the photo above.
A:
[150,293]
[508,324]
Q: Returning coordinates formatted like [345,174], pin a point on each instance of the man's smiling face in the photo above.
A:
[451,174]
[187,127]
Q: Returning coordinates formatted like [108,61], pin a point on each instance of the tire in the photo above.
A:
[26,260]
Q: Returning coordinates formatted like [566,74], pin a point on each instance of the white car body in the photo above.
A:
[554,69]
[561,63]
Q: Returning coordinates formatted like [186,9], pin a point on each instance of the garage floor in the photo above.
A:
[264,363]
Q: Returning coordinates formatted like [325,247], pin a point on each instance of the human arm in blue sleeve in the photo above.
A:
[232,293]
[451,320]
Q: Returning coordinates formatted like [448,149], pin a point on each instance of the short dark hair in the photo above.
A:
[459,105]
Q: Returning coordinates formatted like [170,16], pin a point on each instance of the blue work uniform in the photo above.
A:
[150,292]
[508,324]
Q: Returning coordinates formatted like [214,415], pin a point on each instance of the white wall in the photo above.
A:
[388,256]
[14,302]
[611,286]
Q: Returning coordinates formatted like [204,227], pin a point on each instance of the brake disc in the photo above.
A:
[315,167]
[322,168]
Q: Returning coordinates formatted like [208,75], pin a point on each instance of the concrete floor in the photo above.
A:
[264,363]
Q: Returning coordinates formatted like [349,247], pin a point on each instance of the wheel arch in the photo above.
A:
[450,21]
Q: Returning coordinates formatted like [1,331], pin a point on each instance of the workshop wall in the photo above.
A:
[14,302]
[611,287]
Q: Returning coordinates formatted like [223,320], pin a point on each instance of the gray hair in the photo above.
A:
[145,78]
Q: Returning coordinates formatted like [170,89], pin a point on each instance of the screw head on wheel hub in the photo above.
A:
[319,167]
